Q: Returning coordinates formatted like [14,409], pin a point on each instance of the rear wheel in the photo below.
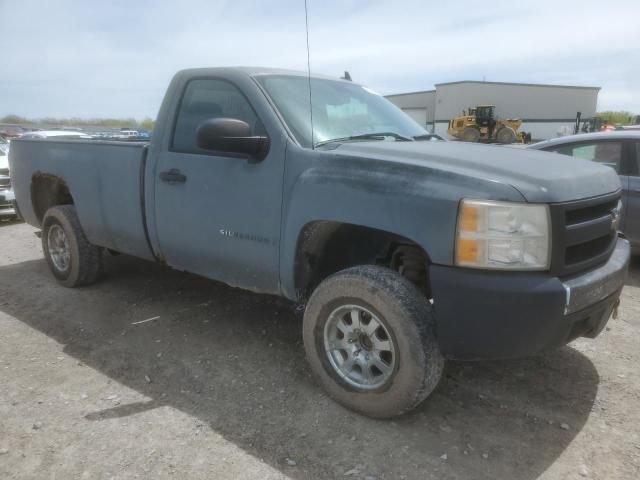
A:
[470,134]
[71,258]
[369,337]
[506,135]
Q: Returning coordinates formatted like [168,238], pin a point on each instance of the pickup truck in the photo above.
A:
[405,250]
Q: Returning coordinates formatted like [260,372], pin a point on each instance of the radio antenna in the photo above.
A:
[306,23]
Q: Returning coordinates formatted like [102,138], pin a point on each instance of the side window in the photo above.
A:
[563,150]
[586,152]
[206,99]
[606,153]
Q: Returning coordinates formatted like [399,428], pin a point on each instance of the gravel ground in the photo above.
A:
[217,387]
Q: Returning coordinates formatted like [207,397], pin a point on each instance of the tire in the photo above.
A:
[412,370]
[506,136]
[470,134]
[73,261]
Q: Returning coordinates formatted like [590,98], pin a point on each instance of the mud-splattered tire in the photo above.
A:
[407,328]
[73,261]
[470,134]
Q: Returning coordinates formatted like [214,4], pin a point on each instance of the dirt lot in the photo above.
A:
[217,387]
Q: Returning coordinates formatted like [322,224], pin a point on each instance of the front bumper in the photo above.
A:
[490,315]
[7,203]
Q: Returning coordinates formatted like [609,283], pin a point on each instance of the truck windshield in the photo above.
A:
[341,110]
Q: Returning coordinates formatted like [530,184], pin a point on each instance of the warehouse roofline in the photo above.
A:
[410,93]
[575,87]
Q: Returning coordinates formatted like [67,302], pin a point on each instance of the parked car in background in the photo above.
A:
[144,134]
[4,145]
[619,150]
[59,134]
[128,134]
[7,209]
[125,134]
[11,131]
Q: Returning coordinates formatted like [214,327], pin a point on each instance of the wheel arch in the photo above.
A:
[324,247]
[48,190]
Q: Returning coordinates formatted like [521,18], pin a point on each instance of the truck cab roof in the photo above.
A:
[252,72]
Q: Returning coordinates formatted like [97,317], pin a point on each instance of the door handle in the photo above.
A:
[173,176]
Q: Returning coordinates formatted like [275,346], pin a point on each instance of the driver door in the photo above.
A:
[218,215]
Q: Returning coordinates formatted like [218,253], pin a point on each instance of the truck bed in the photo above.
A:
[104,179]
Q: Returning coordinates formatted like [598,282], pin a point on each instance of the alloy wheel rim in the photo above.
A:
[359,347]
[59,249]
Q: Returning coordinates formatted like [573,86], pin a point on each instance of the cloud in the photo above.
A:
[88,59]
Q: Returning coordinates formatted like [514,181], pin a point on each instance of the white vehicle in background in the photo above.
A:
[128,134]
[7,209]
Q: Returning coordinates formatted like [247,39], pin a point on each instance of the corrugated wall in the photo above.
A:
[547,110]
[529,102]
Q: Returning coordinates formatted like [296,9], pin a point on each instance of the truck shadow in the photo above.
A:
[235,361]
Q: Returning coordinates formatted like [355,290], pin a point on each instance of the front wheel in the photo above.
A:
[470,134]
[71,258]
[368,334]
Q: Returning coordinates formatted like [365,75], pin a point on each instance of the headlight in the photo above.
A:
[503,235]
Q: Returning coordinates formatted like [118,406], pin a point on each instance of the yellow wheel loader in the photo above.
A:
[480,125]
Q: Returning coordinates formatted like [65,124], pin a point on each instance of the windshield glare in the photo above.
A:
[340,109]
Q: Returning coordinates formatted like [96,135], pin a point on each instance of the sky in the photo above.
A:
[113,58]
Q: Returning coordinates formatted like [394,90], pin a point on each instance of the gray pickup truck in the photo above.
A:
[406,250]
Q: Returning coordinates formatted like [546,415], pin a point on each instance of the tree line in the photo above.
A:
[622,117]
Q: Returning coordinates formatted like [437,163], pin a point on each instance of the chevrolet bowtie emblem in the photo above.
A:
[615,217]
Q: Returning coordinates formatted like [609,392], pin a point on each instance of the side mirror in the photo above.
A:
[230,135]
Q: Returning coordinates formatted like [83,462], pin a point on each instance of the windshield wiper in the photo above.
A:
[365,136]
[428,136]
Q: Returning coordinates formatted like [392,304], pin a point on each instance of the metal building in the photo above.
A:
[547,110]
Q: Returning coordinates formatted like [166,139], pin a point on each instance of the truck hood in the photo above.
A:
[540,177]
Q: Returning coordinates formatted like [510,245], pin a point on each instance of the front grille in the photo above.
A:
[582,252]
[584,214]
[582,232]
